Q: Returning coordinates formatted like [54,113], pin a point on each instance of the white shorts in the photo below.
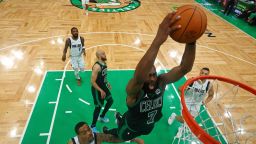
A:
[194,109]
[77,62]
[85,2]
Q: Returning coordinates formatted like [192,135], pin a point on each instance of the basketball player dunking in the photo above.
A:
[146,89]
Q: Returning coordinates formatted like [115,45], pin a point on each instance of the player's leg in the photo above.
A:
[110,131]
[96,113]
[118,117]
[180,119]
[175,117]
[123,132]
[180,131]
[109,103]
[194,111]
[81,64]
[114,131]
[75,67]
[119,122]
[98,102]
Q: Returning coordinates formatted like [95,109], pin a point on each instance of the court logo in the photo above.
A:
[209,33]
[109,6]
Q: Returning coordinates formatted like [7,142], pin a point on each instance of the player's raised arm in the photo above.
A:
[147,61]
[185,66]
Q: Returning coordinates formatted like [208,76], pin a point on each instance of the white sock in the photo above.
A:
[77,74]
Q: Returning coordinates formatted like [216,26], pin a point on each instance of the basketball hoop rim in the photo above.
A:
[192,124]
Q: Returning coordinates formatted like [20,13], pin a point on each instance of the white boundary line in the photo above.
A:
[111,109]
[38,92]
[43,134]
[57,103]
[83,101]
[70,91]
[67,112]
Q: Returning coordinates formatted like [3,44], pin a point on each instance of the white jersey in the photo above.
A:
[196,92]
[75,140]
[75,47]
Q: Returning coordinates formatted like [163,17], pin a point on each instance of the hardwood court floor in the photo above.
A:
[33,32]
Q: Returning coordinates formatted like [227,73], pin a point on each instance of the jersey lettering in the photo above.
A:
[148,105]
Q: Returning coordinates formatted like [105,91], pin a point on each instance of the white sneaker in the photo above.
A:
[180,130]
[171,118]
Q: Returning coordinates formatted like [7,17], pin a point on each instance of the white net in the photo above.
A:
[230,117]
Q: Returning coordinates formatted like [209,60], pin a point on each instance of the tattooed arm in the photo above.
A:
[112,139]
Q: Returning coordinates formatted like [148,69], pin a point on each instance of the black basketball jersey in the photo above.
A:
[102,75]
[147,110]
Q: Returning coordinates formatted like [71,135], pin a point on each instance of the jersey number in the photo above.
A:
[151,116]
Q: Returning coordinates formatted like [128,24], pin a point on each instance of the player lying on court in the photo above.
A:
[198,93]
[146,89]
[86,136]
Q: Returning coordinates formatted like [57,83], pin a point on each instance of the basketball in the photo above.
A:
[193,23]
